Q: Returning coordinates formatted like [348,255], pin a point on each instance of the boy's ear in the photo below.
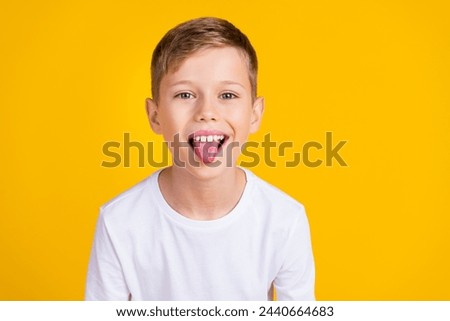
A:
[152,114]
[257,112]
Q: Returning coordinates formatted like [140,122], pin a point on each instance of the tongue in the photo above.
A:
[206,151]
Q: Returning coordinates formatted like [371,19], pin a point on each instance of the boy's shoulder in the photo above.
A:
[131,200]
[275,209]
[273,197]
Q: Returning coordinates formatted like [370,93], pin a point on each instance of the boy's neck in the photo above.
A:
[202,199]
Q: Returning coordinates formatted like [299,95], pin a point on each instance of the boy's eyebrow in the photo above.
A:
[231,82]
[181,82]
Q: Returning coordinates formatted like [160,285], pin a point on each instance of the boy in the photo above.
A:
[203,228]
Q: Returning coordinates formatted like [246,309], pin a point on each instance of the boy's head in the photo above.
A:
[204,92]
[189,37]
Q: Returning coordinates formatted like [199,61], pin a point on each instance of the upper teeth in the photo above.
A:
[209,138]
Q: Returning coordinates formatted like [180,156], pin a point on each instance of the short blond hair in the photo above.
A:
[189,37]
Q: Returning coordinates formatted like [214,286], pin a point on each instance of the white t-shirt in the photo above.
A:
[145,250]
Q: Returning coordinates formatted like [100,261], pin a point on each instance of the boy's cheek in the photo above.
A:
[176,144]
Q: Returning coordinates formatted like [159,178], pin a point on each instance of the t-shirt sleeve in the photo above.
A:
[105,280]
[296,278]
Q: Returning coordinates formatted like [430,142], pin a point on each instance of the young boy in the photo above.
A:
[202,229]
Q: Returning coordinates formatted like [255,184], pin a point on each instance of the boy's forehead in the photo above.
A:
[225,63]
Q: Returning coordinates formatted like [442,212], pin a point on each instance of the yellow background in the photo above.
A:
[74,75]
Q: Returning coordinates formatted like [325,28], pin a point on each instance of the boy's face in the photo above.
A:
[206,110]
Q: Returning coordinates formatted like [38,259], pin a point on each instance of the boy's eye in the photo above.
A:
[228,96]
[184,95]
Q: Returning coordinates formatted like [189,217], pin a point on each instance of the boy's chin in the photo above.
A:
[204,170]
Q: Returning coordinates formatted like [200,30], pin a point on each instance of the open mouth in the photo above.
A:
[207,145]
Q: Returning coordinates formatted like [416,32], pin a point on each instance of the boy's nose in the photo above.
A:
[206,111]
